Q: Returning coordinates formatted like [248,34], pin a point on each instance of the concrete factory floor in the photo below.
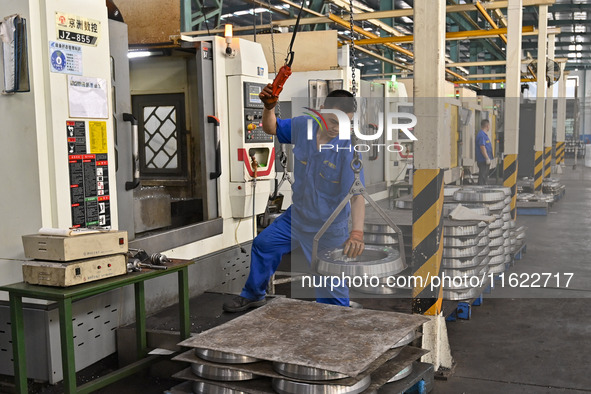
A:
[518,341]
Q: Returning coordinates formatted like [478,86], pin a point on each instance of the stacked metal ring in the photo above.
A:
[378,261]
[284,386]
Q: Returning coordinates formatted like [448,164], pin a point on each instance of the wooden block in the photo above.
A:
[314,50]
[151,21]
[57,248]
[74,273]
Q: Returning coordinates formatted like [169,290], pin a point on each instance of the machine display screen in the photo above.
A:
[251,95]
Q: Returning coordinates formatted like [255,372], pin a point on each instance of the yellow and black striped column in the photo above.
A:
[547,162]
[559,153]
[538,170]
[510,180]
[427,239]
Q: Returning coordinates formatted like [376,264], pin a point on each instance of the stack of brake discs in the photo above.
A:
[219,372]
[518,235]
[465,254]
[497,199]
[311,376]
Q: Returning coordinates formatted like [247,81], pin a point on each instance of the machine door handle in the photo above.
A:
[374,153]
[218,155]
[135,152]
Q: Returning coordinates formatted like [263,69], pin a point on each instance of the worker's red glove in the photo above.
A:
[266,96]
[354,246]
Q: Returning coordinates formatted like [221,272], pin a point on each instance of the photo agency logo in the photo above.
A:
[336,118]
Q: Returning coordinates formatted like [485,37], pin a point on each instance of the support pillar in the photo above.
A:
[429,158]
[561,117]
[512,99]
[541,95]
[549,115]
[431,155]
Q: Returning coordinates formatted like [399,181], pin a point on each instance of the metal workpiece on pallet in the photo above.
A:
[223,357]
[472,195]
[507,243]
[497,207]
[508,258]
[469,251]
[462,263]
[460,231]
[209,388]
[402,374]
[283,386]
[463,242]
[484,252]
[479,209]
[500,250]
[496,233]
[507,217]
[305,373]
[484,241]
[379,239]
[379,261]
[220,373]
[497,268]
[474,271]
[406,340]
[496,260]
[461,295]
[505,190]
[496,224]
[448,191]
[506,226]
[496,242]
[507,233]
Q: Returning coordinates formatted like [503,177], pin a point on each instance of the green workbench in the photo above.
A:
[64,298]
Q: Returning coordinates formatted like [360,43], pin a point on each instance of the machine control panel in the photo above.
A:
[253,114]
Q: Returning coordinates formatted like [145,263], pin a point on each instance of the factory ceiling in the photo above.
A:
[570,19]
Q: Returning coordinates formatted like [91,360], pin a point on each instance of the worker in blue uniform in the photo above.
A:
[484,153]
[323,177]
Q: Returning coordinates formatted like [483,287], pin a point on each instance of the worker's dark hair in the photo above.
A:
[484,122]
[340,99]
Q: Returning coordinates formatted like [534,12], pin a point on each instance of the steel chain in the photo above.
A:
[352,62]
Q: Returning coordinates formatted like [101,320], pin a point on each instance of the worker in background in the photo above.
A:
[322,180]
[483,151]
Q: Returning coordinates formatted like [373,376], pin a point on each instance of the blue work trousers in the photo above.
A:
[279,239]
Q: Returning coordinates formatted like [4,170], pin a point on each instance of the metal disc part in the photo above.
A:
[479,209]
[408,338]
[216,356]
[496,233]
[460,231]
[496,224]
[462,263]
[448,191]
[496,269]
[401,375]
[283,386]
[460,295]
[497,251]
[472,195]
[379,261]
[505,190]
[496,207]
[475,271]
[469,251]
[220,373]
[305,373]
[208,388]
[496,260]
[496,242]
